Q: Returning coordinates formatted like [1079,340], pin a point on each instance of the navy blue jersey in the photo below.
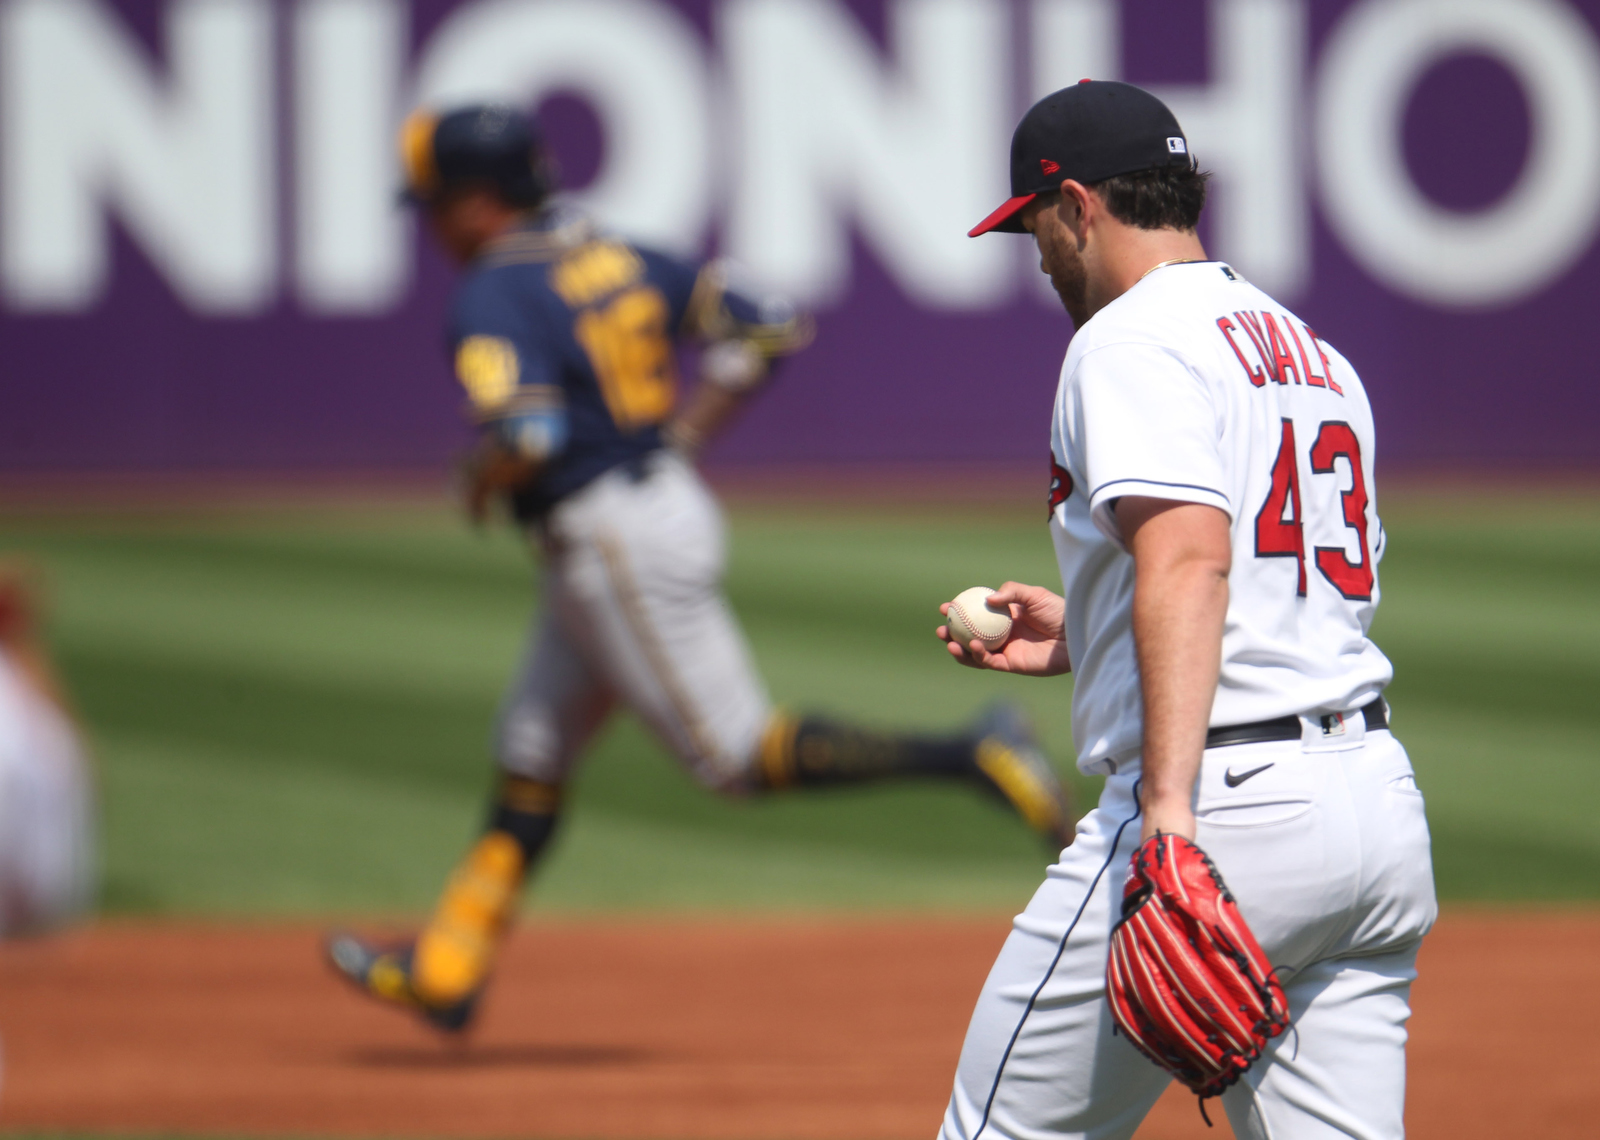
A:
[576,333]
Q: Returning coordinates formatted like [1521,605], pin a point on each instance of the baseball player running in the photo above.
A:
[565,340]
[1213,513]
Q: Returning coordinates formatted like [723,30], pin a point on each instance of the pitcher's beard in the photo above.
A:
[1062,262]
[1072,286]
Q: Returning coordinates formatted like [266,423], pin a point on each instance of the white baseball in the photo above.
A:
[971,618]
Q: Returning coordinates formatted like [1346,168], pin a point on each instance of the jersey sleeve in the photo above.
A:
[720,311]
[1145,424]
[504,366]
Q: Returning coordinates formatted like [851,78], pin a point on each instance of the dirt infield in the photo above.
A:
[677,1030]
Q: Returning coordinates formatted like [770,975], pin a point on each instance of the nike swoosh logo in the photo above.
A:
[1233,781]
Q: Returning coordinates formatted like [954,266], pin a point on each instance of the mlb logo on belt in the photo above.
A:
[1333,724]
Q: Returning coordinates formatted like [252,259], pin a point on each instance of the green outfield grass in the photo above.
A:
[292,709]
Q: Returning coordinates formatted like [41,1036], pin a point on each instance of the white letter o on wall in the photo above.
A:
[640,63]
[1546,221]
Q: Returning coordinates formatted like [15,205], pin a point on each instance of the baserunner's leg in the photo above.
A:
[645,572]
[997,752]
[551,711]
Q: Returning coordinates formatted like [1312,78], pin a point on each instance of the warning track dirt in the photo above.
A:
[650,1029]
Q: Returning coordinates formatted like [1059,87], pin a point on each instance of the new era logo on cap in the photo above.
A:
[1177,146]
[1048,166]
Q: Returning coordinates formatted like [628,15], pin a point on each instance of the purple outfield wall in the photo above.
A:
[200,268]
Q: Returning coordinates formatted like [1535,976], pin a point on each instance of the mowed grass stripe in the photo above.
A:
[294,710]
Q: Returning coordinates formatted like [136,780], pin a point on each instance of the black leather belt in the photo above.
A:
[1376,714]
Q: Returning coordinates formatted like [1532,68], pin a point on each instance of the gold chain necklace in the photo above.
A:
[1164,264]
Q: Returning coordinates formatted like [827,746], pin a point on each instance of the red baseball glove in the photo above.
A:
[1187,981]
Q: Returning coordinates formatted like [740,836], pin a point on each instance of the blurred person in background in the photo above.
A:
[566,341]
[47,818]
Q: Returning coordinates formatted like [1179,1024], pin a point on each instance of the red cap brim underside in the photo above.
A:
[1005,214]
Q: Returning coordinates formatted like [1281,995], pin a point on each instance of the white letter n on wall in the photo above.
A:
[186,163]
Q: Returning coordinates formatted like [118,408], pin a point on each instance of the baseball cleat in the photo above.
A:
[384,972]
[1008,761]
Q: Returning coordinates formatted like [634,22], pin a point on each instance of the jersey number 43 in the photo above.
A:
[1280,524]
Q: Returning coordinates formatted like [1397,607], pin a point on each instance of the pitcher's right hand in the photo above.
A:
[1037,646]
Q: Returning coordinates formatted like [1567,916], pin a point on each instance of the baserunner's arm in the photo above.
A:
[1181,556]
[718,397]
[742,339]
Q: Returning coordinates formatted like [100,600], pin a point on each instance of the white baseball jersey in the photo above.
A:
[1196,386]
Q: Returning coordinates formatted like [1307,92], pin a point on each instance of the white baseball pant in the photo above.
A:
[1326,850]
[634,614]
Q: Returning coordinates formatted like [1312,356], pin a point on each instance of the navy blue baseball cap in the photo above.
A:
[1089,132]
[487,143]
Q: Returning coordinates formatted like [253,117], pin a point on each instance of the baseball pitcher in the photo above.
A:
[1255,880]
[565,341]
